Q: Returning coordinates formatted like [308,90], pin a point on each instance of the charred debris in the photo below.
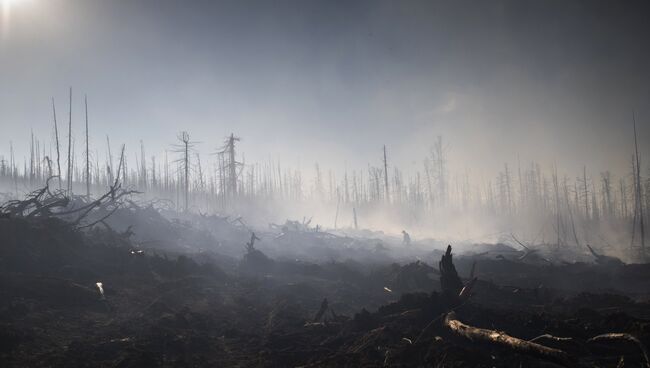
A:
[114,281]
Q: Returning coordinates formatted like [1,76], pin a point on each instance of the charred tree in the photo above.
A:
[87,152]
[449,280]
[69,172]
[638,201]
[387,192]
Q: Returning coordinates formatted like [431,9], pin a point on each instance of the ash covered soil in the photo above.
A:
[139,289]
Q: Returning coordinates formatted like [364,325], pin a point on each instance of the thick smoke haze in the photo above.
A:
[331,82]
[324,183]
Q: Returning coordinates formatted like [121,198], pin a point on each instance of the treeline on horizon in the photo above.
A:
[218,185]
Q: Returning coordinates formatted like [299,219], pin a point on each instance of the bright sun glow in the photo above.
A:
[5,15]
[7,4]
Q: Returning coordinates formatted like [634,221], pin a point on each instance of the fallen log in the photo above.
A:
[504,340]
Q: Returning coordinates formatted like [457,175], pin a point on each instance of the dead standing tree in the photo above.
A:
[558,213]
[143,168]
[606,179]
[69,172]
[638,194]
[56,138]
[585,191]
[385,177]
[87,152]
[439,160]
[185,147]
[230,167]
[450,282]
[109,161]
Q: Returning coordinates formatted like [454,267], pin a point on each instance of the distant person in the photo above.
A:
[406,238]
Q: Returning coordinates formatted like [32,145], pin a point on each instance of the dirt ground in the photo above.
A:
[165,306]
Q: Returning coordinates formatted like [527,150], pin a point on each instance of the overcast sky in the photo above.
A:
[332,81]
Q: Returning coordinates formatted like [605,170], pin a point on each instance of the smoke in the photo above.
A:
[506,83]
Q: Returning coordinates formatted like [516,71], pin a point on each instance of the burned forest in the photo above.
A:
[324,184]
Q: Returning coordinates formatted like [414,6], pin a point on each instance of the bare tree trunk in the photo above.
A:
[280,186]
[346,191]
[87,152]
[607,194]
[338,202]
[568,206]
[232,169]
[14,170]
[154,181]
[585,191]
[386,177]
[186,168]
[624,210]
[109,162]
[69,172]
[508,189]
[556,188]
[143,167]
[120,166]
[638,194]
[439,159]
[166,181]
[31,160]
[427,172]
[522,193]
